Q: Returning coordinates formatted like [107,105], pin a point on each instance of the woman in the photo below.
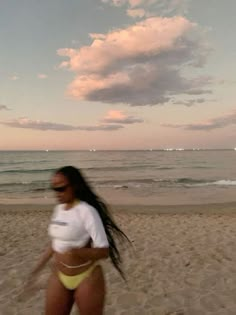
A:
[82,233]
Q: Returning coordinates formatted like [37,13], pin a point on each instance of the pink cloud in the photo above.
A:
[115,114]
[118,117]
[83,85]
[26,123]
[42,76]
[136,13]
[149,37]
[138,65]
[223,121]
[135,3]
[14,78]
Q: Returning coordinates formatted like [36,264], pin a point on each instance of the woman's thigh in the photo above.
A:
[59,300]
[90,294]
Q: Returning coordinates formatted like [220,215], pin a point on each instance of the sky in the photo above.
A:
[117,74]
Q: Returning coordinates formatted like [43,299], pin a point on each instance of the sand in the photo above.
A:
[183,260]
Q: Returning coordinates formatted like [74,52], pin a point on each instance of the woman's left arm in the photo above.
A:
[95,228]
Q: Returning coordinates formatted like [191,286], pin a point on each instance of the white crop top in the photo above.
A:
[74,227]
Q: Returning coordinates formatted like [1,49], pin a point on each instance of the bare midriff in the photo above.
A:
[70,264]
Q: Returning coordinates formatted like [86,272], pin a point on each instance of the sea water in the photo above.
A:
[160,177]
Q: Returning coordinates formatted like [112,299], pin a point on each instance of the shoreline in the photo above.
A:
[211,208]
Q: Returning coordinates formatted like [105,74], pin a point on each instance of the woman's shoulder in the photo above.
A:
[83,205]
[58,207]
[85,209]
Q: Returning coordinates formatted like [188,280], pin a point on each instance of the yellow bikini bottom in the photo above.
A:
[72,282]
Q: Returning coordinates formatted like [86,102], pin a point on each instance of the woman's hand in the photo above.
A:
[28,287]
[30,281]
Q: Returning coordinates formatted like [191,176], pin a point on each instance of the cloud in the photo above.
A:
[152,7]
[136,13]
[191,102]
[116,3]
[142,64]
[14,78]
[214,123]
[116,116]
[27,123]
[42,76]
[4,107]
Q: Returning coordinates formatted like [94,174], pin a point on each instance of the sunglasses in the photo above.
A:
[60,188]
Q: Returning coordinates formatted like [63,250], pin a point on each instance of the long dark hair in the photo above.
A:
[85,193]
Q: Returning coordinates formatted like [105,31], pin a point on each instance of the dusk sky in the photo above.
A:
[117,74]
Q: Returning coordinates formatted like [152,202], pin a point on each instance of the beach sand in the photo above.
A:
[183,260]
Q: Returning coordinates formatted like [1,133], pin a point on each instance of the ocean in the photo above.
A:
[132,177]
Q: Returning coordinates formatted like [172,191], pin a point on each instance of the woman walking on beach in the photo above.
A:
[82,233]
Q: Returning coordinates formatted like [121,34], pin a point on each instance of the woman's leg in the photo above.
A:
[59,300]
[90,294]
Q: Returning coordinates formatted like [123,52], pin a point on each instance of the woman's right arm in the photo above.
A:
[30,280]
[47,254]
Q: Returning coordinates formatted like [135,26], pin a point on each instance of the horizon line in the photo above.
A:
[95,150]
